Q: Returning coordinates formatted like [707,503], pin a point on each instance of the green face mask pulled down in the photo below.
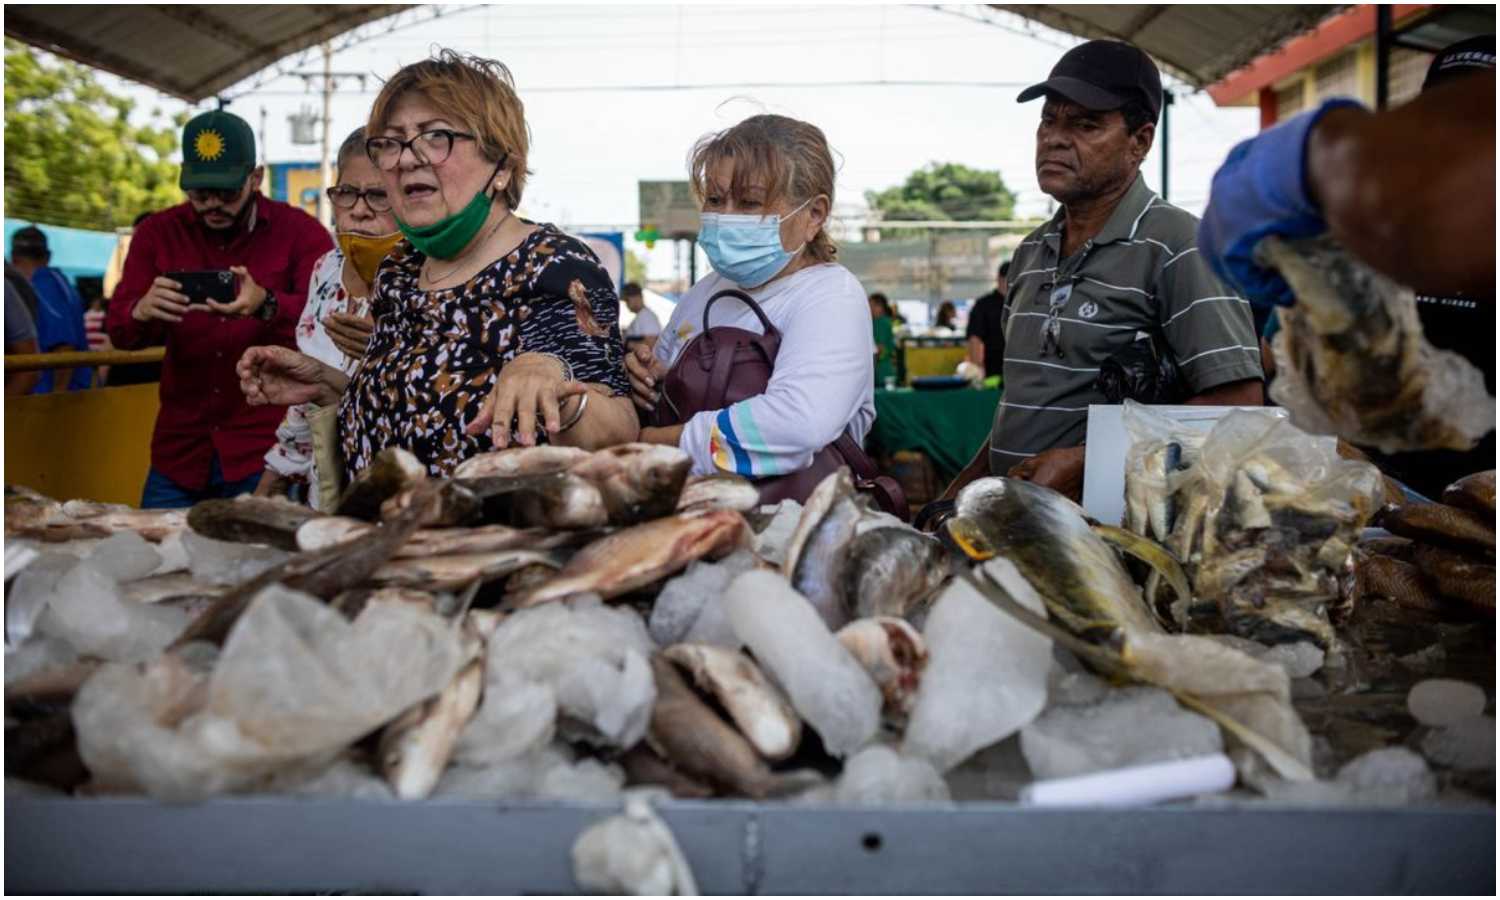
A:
[446,238]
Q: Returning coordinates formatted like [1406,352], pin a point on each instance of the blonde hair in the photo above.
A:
[792,156]
[476,92]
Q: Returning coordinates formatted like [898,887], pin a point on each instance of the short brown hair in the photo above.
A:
[480,94]
[791,155]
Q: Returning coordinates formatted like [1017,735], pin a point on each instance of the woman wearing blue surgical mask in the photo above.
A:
[766,188]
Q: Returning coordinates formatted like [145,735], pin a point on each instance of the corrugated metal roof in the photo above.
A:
[190,51]
[1199,44]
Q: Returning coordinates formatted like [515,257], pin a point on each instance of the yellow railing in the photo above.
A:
[92,444]
[31,362]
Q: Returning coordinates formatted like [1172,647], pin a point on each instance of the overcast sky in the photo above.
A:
[591,146]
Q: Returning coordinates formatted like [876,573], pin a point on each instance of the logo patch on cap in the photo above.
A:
[209,145]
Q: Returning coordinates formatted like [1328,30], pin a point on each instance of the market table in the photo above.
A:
[948,426]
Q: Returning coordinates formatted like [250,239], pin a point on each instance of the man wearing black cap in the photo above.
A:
[208,441]
[1116,264]
[59,309]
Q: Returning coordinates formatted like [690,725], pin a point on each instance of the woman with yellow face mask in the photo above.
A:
[336,324]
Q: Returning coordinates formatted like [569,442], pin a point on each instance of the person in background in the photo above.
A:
[128,373]
[766,186]
[20,337]
[208,442]
[947,315]
[335,324]
[1411,191]
[489,328]
[1115,262]
[59,316]
[986,339]
[885,340]
[645,327]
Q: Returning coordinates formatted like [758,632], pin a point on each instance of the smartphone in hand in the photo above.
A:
[204,285]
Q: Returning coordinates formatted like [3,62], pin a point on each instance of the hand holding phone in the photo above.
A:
[163,302]
[204,285]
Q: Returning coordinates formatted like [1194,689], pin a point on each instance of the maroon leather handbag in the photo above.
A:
[725,365]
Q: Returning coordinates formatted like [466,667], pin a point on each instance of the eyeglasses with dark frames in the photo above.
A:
[345,197]
[430,147]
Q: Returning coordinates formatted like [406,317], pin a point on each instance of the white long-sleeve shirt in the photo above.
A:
[823,383]
[291,455]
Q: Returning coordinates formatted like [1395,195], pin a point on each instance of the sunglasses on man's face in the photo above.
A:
[225,196]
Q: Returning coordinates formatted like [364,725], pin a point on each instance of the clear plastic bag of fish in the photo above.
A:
[1265,522]
[1161,455]
[295,685]
[1351,358]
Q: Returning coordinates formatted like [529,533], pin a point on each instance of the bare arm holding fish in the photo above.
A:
[1411,191]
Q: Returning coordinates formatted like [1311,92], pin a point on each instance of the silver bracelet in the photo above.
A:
[578,413]
[567,367]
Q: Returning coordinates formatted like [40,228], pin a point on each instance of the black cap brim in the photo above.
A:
[1081,92]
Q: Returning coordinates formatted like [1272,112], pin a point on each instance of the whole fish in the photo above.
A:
[251,520]
[326,531]
[447,573]
[1457,576]
[513,461]
[637,556]
[1046,543]
[1436,523]
[1394,579]
[720,490]
[817,556]
[172,586]
[390,472]
[894,654]
[323,573]
[415,748]
[1352,360]
[553,500]
[638,481]
[82,519]
[893,572]
[454,504]
[1475,493]
[1047,537]
[761,711]
[686,732]
[643,766]
[820,502]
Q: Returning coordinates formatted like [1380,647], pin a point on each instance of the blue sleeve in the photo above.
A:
[54,325]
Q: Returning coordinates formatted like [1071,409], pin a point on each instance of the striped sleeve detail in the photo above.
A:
[1197,356]
[1186,309]
[1179,256]
[736,445]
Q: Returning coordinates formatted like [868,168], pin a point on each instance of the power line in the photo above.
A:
[725,86]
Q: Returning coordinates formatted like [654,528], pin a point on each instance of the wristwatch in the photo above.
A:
[267,310]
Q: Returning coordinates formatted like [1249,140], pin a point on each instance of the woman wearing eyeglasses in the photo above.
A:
[489,329]
[335,325]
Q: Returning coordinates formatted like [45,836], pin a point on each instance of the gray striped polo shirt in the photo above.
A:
[1141,273]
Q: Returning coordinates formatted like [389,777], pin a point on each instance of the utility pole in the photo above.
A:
[325,180]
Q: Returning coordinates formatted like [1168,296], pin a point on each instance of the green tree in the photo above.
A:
[635,268]
[72,155]
[946,192]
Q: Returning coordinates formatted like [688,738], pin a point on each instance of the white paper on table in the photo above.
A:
[1108,444]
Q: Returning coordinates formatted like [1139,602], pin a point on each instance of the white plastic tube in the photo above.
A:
[1135,785]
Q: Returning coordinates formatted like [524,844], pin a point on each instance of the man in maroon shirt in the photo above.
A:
[208,441]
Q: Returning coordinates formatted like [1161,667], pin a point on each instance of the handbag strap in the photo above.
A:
[867,478]
[765,322]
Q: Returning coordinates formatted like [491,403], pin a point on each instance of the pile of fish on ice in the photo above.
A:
[555,624]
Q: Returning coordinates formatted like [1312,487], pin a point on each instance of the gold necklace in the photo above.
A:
[434,279]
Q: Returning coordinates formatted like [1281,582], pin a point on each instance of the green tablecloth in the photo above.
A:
[948,426]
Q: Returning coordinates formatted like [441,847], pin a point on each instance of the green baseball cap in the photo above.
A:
[218,151]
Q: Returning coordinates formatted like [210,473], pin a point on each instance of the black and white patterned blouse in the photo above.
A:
[434,355]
